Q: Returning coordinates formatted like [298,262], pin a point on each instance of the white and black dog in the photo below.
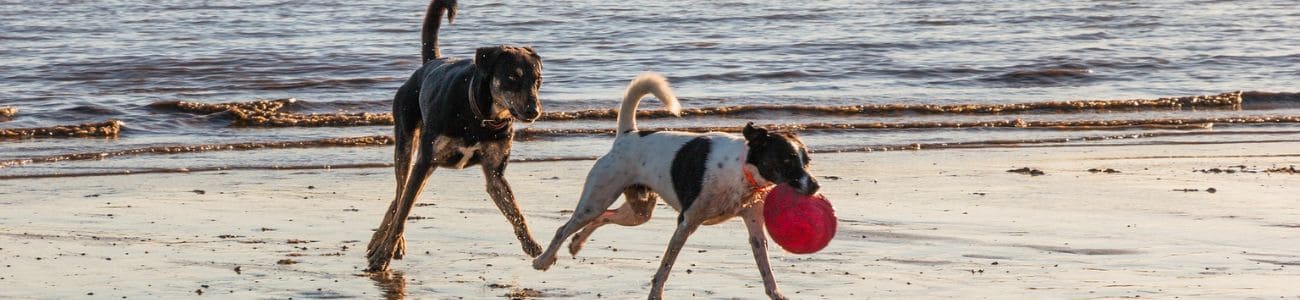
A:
[456,113]
[707,177]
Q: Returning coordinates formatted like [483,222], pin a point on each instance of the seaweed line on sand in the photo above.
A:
[1290,169]
[1285,170]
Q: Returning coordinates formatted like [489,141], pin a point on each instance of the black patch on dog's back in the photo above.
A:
[688,170]
[644,133]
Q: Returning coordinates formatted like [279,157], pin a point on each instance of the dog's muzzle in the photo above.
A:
[528,115]
[806,185]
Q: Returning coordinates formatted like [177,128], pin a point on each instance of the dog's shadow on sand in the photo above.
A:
[391,283]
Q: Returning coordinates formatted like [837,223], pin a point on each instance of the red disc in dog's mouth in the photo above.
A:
[800,223]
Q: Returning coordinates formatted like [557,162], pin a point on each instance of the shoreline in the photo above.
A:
[1106,140]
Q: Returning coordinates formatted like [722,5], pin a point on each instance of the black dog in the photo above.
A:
[458,113]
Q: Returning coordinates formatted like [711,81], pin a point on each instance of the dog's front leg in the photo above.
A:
[753,217]
[684,230]
[494,167]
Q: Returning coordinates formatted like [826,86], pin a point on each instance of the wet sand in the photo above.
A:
[914,224]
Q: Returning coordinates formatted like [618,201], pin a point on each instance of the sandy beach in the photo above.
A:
[913,224]
[972,149]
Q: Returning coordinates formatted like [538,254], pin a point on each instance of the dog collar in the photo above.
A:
[749,177]
[493,124]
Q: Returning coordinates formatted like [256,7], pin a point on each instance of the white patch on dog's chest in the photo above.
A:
[446,145]
[465,154]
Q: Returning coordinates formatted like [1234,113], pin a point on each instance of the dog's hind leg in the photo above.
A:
[638,204]
[406,128]
[402,167]
[753,217]
[495,158]
[385,242]
[600,191]
[684,229]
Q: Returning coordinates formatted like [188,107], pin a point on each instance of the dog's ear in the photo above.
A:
[754,134]
[532,52]
[485,58]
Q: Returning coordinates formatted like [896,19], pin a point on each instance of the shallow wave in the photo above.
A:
[234,70]
[731,18]
[91,109]
[839,46]
[1284,59]
[26,38]
[747,76]
[1059,75]
[1051,71]
[242,6]
[1283,97]
[305,83]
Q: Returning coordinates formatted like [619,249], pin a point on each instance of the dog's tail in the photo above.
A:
[432,21]
[646,83]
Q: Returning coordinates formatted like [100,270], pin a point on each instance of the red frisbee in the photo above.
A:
[800,224]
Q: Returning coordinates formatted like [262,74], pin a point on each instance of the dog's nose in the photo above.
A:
[807,185]
[526,115]
[531,115]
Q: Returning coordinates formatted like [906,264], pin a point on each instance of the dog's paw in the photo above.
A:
[776,295]
[576,245]
[378,263]
[399,250]
[532,248]
[543,263]
[379,256]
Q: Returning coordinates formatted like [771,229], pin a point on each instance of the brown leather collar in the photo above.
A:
[749,177]
[485,122]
